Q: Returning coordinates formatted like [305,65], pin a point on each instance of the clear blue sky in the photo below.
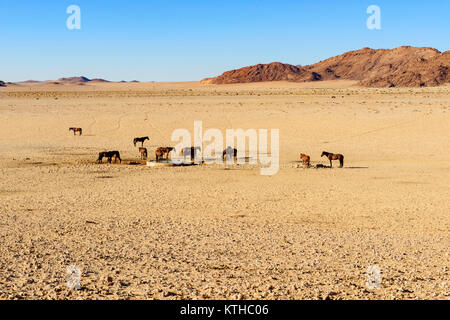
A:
[192,39]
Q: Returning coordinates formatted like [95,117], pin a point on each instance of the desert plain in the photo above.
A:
[225,231]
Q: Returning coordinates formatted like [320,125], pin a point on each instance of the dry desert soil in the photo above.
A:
[224,232]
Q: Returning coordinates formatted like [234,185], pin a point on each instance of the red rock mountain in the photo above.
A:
[399,67]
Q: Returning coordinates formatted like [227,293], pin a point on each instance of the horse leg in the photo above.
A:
[331,163]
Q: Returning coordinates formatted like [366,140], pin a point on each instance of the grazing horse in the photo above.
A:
[141,140]
[305,160]
[332,156]
[161,151]
[109,155]
[143,152]
[229,152]
[75,130]
[190,151]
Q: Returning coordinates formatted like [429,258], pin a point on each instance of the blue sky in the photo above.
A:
[189,40]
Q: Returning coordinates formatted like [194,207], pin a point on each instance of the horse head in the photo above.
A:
[100,156]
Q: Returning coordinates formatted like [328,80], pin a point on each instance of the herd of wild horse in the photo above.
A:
[229,152]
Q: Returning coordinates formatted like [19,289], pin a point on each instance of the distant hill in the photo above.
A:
[275,71]
[68,80]
[99,80]
[73,79]
[30,81]
[399,67]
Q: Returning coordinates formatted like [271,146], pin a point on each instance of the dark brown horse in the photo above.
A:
[161,151]
[190,151]
[143,152]
[75,130]
[332,156]
[229,152]
[305,160]
[110,155]
[141,140]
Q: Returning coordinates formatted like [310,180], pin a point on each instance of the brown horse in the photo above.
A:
[159,155]
[143,152]
[161,151]
[75,130]
[305,160]
[332,156]
[110,155]
[190,151]
[141,140]
[229,152]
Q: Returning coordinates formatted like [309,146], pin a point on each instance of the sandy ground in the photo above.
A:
[215,232]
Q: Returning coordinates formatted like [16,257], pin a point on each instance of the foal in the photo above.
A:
[141,140]
[332,156]
[143,152]
[75,130]
[305,160]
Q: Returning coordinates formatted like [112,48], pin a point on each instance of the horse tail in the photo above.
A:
[342,161]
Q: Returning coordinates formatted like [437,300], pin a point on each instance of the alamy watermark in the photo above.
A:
[74,280]
[373,278]
[374,20]
[73,22]
[234,149]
